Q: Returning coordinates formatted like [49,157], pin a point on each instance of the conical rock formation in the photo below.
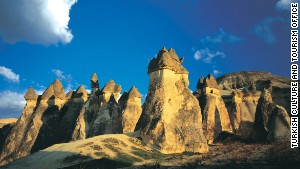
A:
[45,120]
[171,120]
[131,105]
[214,113]
[111,88]
[12,148]
[272,122]
[101,114]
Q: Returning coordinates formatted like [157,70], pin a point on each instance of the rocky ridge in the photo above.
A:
[172,119]
[214,113]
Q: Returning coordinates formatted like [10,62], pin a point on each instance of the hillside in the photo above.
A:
[247,78]
[214,126]
[124,151]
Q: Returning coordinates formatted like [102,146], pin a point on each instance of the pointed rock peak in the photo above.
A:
[167,60]
[56,89]
[30,94]
[81,92]
[94,78]
[57,82]
[210,76]
[112,87]
[81,89]
[70,94]
[133,92]
[211,82]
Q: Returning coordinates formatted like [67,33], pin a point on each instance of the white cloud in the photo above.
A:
[264,31]
[11,104]
[9,74]
[221,37]
[59,74]
[206,55]
[197,55]
[64,78]
[285,4]
[216,72]
[35,21]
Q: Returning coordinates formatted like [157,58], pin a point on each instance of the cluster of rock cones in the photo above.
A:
[172,118]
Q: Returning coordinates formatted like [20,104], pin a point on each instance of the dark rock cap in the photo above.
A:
[209,81]
[167,60]
[55,90]
[111,87]
[94,81]
[200,84]
[30,94]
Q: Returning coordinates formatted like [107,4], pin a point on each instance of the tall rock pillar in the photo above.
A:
[171,120]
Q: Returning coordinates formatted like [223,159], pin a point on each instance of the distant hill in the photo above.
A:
[247,78]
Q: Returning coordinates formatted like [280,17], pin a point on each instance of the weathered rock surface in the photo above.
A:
[215,116]
[247,78]
[45,120]
[13,142]
[101,114]
[131,106]
[243,109]
[5,126]
[272,122]
[94,83]
[259,81]
[108,119]
[171,119]
[111,88]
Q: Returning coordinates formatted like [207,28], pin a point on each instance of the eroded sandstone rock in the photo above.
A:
[5,126]
[215,116]
[131,105]
[243,109]
[111,88]
[171,120]
[94,83]
[101,114]
[108,119]
[272,122]
[259,80]
[14,142]
[45,120]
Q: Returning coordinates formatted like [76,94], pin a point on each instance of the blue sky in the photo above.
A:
[117,39]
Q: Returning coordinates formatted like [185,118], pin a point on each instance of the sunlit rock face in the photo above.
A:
[101,114]
[243,109]
[171,120]
[214,113]
[259,80]
[111,88]
[42,121]
[5,127]
[272,122]
[131,105]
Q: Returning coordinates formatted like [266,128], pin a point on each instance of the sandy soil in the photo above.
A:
[126,151]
